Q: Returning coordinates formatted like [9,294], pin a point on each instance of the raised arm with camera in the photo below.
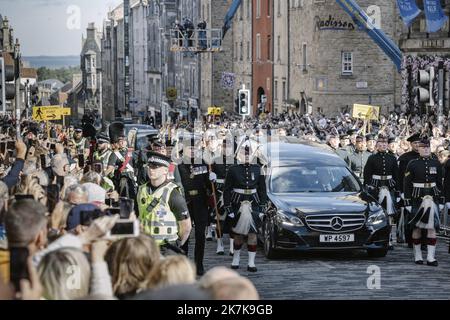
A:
[13,176]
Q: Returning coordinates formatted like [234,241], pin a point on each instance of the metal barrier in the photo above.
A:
[196,40]
[445,222]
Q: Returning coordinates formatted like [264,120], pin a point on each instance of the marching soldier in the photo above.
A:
[380,177]
[196,184]
[245,199]
[120,163]
[403,162]
[162,209]
[221,160]
[422,186]
[357,159]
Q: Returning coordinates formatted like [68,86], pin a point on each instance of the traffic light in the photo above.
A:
[7,90]
[425,88]
[244,102]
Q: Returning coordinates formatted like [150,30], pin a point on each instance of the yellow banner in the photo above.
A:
[362,111]
[46,113]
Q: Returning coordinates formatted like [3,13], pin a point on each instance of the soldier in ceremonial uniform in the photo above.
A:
[245,198]
[380,177]
[120,163]
[423,187]
[403,162]
[196,183]
[221,159]
[357,160]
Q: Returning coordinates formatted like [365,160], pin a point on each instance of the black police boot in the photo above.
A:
[200,269]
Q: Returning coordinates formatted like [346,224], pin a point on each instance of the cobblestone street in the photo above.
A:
[343,275]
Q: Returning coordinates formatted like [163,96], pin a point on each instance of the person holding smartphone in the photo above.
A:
[13,176]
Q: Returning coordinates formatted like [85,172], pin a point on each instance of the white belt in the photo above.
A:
[222,181]
[381,177]
[424,185]
[245,191]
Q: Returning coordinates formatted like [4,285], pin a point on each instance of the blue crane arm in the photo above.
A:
[378,36]
[229,16]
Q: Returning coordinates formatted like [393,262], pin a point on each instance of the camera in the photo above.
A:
[124,229]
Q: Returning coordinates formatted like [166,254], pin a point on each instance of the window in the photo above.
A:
[258,9]
[347,63]
[313,178]
[304,65]
[241,12]
[275,91]
[268,7]
[258,46]
[279,7]
[248,50]
[284,90]
[278,48]
[269,48]
[249,3]
[241,48]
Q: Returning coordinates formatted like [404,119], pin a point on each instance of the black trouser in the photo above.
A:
[198,210]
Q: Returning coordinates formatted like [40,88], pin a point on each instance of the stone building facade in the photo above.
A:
[262,93]
[139,86]
[215,65]
[242,44]
[281,56]
[333,64]
[91,69]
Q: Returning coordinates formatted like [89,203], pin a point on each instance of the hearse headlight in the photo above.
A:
[376,218]
[288,220]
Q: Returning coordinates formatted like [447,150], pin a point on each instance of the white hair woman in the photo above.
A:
[65,274]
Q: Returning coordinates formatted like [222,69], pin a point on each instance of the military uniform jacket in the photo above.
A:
[357,161]
[403,161]
[423,171]
[221,166]
[195,177]
[245,176]
[381,164]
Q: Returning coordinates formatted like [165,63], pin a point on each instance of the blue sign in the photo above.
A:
[408,10]
[435,15]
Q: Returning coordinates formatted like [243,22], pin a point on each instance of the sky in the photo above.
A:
[53,27]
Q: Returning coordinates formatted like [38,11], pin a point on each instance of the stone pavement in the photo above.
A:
[342,275]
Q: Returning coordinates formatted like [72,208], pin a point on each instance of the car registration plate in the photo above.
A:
[337,238]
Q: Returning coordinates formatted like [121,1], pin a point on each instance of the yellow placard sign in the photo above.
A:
[46,113]
[172,93]
[362,111]
[214,111]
